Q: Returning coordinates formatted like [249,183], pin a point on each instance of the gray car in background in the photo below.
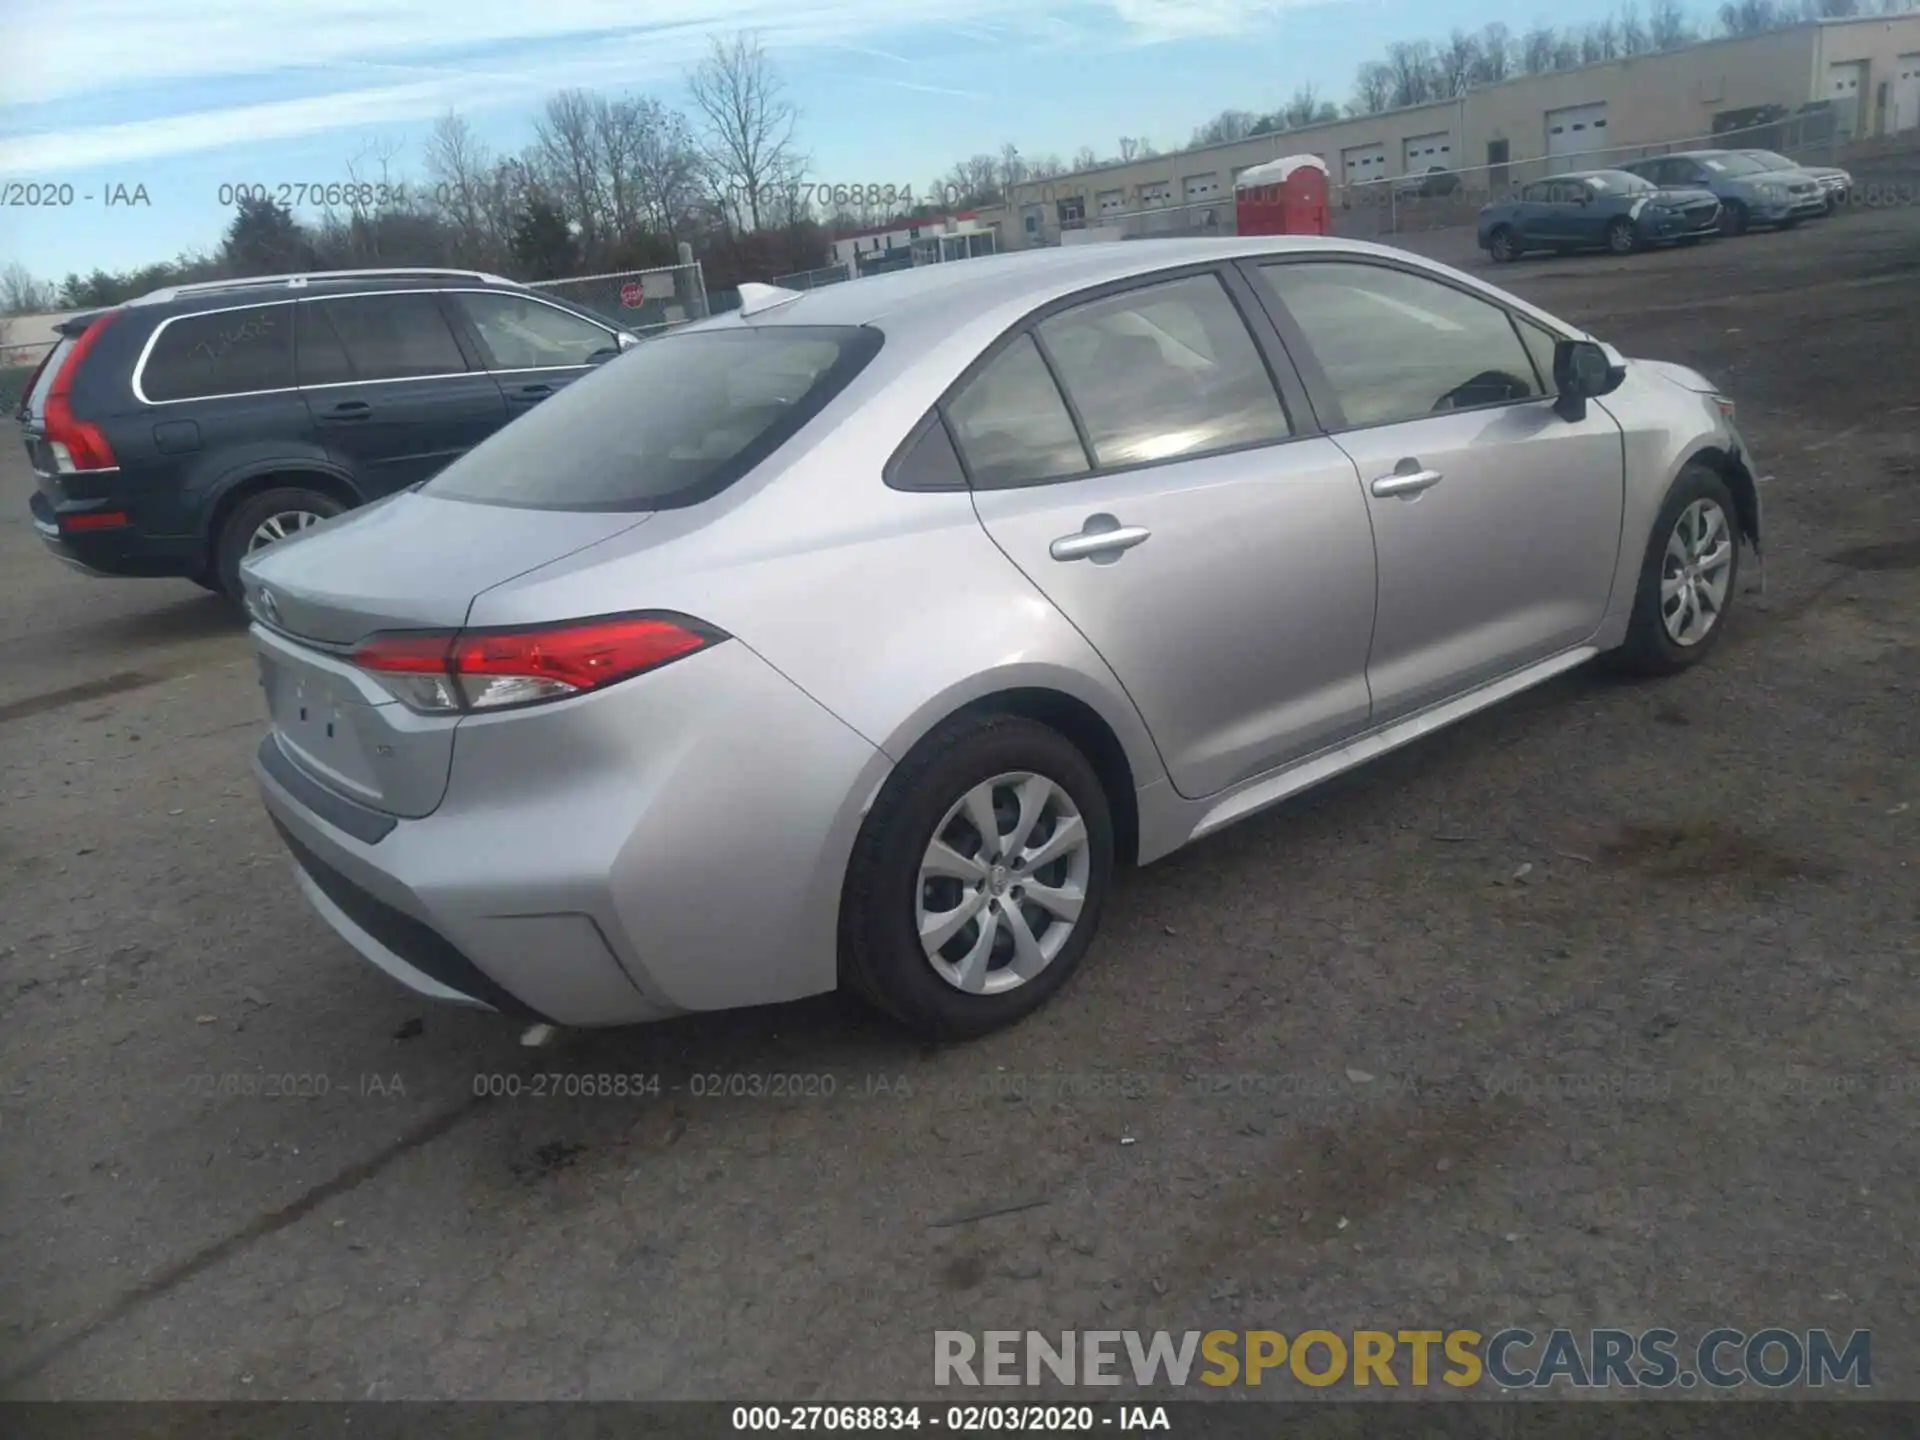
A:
[1749,192]
[1836,185]
[858,637]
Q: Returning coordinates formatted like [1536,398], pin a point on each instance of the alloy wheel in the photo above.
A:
[1620,238]
[1002,883]
[280,526]
[1696,572]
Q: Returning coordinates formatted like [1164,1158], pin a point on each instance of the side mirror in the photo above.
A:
[627,342]
[1582,372]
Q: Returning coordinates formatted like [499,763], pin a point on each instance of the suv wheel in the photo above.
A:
[259,521]
[978,880]
[1733,218]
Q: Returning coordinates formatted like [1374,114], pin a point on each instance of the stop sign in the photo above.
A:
[633,294]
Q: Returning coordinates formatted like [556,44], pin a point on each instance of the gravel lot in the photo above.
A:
[1670,1075]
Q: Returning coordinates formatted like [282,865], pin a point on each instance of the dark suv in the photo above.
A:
[176,433]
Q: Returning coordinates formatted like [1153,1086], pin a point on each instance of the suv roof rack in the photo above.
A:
[301,280]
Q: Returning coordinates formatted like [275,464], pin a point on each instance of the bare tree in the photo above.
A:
[1459,63]
[666,167]
[1536,50]
[1085,159]
[1306,108]
[1411,64]
[566,151]
[1496,54]
[1372,89]
[462,174]
[1013,168]
[1752,17]
[1667,25]
[748,131]
[21,294]
[1045,167]
[1228,125]
[1634,39]
[973,181]
[1136,147]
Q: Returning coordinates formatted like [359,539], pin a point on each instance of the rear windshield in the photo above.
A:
[36,405]
[669,423]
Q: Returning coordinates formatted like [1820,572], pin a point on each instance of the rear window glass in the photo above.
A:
[43,377]
[670,423]
[223,352]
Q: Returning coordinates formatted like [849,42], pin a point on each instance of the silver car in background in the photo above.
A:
[858,637]
[1836,185]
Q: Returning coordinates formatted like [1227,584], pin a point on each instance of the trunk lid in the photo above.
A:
[407,563]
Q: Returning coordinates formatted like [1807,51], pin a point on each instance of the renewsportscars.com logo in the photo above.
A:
[1771,1358]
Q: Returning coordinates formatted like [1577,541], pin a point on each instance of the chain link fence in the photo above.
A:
[642,301]
[814,279]
[1439,200]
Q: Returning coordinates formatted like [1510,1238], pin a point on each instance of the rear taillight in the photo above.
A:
[440,672]
[75,444]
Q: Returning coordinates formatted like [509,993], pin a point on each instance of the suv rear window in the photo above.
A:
[35,403]
[667,424]
[221,352]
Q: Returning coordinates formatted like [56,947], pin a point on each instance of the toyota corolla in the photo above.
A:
[859,637]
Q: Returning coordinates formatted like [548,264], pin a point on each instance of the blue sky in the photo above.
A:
[180,98]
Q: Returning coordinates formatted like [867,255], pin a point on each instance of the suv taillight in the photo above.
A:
[444,672]
[75,444]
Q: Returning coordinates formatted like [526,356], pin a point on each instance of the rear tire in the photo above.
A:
[286,507]
[1658,640]
[921,856]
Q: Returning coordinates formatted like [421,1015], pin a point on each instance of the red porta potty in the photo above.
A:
[1287,196]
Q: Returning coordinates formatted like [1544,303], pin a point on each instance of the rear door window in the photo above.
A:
[385,337]
[1164,371]
[670,424]
[1011,425]
[221,352]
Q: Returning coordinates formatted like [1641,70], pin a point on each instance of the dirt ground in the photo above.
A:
[1343,1065]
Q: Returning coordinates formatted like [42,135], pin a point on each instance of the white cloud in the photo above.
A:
[355,44]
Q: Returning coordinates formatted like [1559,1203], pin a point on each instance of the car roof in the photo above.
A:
[1029,277]
[947,313]
[247,290]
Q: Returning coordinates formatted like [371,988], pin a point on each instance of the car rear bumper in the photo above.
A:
[122,551]
[674,843]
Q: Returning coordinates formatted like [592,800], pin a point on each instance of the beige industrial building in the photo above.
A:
[1820,84]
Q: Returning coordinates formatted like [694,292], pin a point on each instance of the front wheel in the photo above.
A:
[1687,578]
[1621,236]
[1504,246]
[262,519]
[1733,218]
[977,882]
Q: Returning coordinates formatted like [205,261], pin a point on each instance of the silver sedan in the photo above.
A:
[859,637]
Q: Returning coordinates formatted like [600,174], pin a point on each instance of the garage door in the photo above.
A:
[1423,152]
[1576,130]
[1906,93]
[1201,187]
[1844,84]
[1362,163]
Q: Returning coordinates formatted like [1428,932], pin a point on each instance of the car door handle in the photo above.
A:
[350,410]
[1410,483]
[533,392]
[1091,543]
